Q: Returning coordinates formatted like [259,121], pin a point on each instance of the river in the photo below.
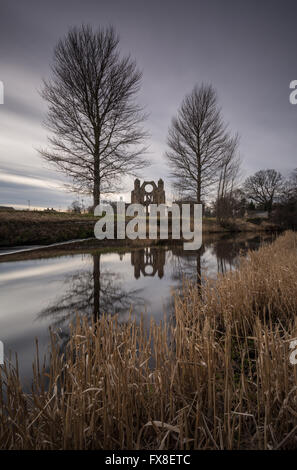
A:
[49,292]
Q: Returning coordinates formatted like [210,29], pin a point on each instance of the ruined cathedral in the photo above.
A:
[148,193]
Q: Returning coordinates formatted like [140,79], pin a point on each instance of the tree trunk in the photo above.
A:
[199,190]
[199,174]
[96,281]
[96,188]
[269,207]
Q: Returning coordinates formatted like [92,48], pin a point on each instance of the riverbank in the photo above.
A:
[44,228]
[218,377]
[92,245]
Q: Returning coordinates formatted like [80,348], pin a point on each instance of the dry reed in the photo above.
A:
[218,378]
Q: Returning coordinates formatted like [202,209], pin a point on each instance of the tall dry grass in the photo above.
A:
[218,378]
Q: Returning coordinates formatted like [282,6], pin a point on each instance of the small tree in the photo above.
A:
[75,207]
[263,187]
[231,205]
[286,209]
[229,169]
[95,122]
[292,185]
[229,175]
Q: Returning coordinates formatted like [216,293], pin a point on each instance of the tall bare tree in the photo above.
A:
[230,169]
[229,177]
[197,141]
[95,123]
[263,187]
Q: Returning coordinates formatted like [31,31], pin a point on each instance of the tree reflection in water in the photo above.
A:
[226,250]
[90,293]
[96,291]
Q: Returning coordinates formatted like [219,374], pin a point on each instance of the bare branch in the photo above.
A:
[197,141]
[95,123]
[263,187]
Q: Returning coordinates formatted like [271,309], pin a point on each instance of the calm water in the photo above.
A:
[37,294]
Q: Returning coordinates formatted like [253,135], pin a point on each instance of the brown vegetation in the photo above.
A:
[38,227]
[218,377]
[43,228]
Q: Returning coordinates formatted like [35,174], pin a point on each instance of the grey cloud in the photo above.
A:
[245,48]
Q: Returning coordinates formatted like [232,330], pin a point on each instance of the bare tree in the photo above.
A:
[230,169]
[293,183]
[197,141]
[95,122]
[289,188]
[263,187]
[229,177]
[285,213]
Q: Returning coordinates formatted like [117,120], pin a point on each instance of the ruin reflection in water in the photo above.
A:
[37,294]
[101,290]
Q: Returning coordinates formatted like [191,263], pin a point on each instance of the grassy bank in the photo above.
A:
[40,227]
[123,246]
[218,377]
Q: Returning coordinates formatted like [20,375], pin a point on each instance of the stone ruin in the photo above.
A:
[148,193]
[148,262]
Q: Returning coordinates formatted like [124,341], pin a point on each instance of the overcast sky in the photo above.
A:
[245,48]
